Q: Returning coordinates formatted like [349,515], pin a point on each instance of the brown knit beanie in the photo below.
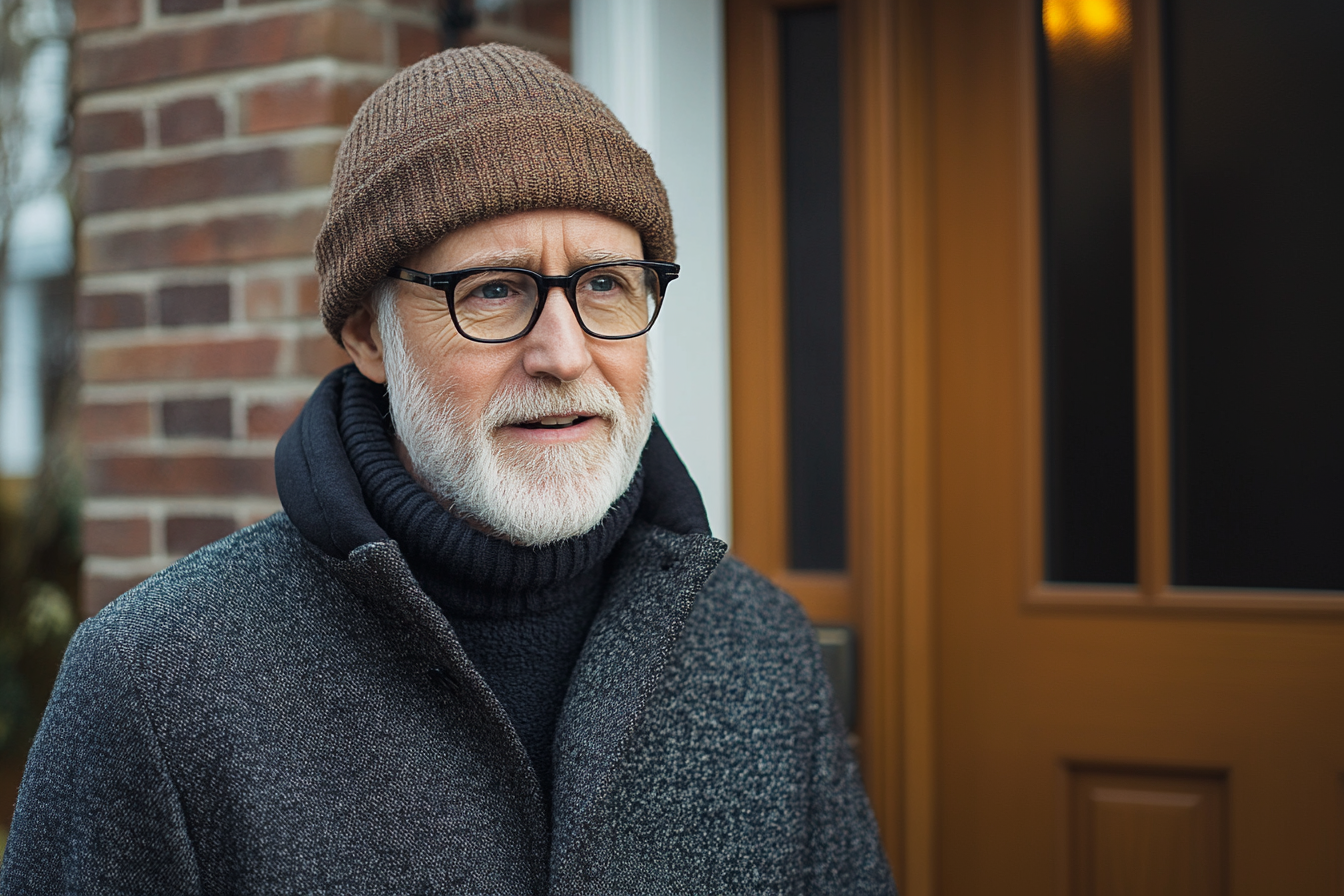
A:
[467,135]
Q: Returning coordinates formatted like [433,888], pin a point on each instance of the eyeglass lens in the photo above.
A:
[615,300]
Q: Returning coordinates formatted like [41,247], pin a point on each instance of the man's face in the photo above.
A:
[531,439]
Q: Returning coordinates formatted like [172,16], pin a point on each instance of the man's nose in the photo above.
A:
[557,345]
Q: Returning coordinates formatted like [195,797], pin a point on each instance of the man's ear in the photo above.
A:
[364,344]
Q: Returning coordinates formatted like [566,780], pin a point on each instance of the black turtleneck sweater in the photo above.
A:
[521,613]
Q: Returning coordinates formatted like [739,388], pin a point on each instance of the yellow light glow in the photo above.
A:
[1099,21]
[1099,18]
[1055,17]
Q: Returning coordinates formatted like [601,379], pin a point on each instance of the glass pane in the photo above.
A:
[810,84]
[1088,303]
[1257,138]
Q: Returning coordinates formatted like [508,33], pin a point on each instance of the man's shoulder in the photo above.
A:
[257,571]
[736,587]
[228,568]
[741,605]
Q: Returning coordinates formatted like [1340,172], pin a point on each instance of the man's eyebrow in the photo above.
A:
[593,256]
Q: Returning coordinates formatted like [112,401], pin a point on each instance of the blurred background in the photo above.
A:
[1008,341]
[39,458]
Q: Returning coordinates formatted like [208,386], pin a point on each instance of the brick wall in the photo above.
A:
[204,136]
[541,25]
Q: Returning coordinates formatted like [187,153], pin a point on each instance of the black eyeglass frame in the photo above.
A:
[447,281]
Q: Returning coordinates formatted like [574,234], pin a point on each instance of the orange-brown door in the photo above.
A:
[1150,737]
[876,288]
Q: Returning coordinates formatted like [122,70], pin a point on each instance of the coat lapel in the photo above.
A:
[424,642]
[654,579]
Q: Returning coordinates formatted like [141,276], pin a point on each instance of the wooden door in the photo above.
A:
[1143,738]
[882,592]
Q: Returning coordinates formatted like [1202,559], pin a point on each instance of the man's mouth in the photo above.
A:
[554,422]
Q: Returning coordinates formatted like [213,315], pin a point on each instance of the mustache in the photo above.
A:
[525,402]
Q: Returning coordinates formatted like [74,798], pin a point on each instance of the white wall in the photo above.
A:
[659,65]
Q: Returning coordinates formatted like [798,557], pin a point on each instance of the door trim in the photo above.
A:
[887,593]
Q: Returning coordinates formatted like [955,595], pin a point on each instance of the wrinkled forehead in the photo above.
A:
[551,241]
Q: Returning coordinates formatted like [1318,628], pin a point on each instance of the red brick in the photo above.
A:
[222,240]
[343,33]
[174,475]
[177,7]
[111,311]
[269,420]
[198,417]
[271,170]
[415,42]
[319,355]
[194,303]
[309,295]
[215,359]
[264,299]
[190,121]
[91,15]
[542,25]
[99,591]
[99,423]
[300,104]
[184,534]
[109,131]
[116,538]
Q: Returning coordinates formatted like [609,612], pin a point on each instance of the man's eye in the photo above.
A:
[602,284]
[493,291]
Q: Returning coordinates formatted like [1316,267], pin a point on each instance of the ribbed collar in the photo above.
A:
[466,571]
[322,495]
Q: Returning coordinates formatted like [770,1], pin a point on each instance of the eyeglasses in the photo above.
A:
[611,300]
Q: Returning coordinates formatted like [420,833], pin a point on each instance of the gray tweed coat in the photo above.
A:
[264,718]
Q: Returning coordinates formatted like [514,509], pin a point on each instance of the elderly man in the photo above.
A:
[490,646]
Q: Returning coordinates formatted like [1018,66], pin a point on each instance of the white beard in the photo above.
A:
[530,495]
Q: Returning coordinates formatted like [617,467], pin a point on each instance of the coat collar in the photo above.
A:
[423,643]
[652,588]
[654,579]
